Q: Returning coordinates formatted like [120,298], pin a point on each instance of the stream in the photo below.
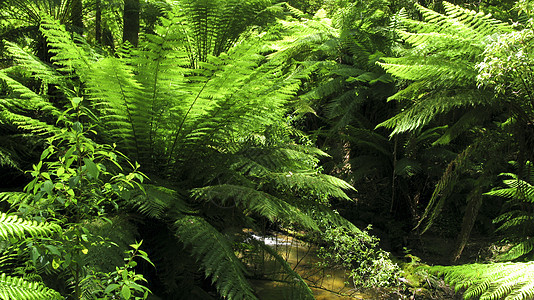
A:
[326,283]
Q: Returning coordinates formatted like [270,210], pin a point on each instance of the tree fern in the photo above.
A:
[440,68]
[210,132]
[441,64]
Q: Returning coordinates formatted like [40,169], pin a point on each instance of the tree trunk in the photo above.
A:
[98,22]
[76,16]
[131,22]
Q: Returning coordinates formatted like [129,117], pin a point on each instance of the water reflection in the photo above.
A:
[275,284]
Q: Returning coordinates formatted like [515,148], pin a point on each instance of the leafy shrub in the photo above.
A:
[368,265]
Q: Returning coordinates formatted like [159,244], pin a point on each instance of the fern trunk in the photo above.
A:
[98,21]
[76,16]
[131,22]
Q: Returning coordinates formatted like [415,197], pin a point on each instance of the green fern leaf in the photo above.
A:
[158,201]
[13,226]
[216,257]
[68,55]
[29,63]
[259,202]
[13,288]
[491,281]
[15,198]
[446,49]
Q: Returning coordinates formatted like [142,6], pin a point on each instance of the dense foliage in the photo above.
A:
[133,131]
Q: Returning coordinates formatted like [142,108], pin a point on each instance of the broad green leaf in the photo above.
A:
[91,168]
[125,292]
[110,288]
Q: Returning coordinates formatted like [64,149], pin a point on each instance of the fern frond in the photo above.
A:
[444,188]
[369,139]
[28,124]
[516,219]
[421,112]
[484,23]
[13,288]
[117,97]
[7,160]
[446,50]
[466,122]
[517,222]
[14,198]
[33,101]
[491,281]
[518,250]
[33,65]
[214,26]
[13,226]
[22,103]
[315,184]
[216,257]
[68,55]
[431,68]
[266,205]
[158,201]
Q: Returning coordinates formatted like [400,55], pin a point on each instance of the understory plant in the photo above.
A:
[76,185]
[367,265]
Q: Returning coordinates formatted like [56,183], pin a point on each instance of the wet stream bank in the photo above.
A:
[326,283]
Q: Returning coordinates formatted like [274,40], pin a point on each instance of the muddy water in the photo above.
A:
[326,283]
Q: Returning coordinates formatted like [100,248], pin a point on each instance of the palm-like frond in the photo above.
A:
[30,12]
[14,198]
[6,159]
[261,203]
[115,95]
[14,288]
[69,55]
